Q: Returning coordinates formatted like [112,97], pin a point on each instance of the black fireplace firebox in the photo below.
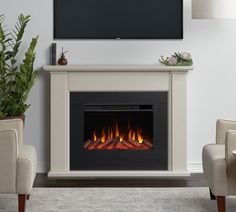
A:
[118,131]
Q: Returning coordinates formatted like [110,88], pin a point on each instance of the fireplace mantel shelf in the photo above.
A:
[117,68]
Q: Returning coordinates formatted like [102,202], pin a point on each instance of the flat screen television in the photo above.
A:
[118,19]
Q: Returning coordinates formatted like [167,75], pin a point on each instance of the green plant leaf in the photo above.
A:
[16,81]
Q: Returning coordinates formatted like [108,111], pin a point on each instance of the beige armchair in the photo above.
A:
[17,161]
[219,163]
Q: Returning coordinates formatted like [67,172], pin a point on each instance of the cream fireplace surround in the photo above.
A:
[71,78]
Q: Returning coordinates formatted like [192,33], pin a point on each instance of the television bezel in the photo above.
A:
[117,38]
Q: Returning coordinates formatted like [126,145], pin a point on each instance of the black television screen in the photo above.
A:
[118,19]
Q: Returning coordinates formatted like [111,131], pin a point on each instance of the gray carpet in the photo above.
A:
[116,200]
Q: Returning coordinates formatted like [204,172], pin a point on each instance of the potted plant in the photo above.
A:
[16,78]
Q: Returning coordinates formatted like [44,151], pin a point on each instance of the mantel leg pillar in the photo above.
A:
[59,122]
[178,92]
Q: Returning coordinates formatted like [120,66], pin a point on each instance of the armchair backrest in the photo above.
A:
[8,160]
[11,135]
[17,124]
[222,126]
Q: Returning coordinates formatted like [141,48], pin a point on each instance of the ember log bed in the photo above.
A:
[116,144]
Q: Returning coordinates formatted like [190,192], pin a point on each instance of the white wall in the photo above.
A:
[211,86]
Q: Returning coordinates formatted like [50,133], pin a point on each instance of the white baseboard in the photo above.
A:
[118,174]
[195,167]
[191,167]
[42,168]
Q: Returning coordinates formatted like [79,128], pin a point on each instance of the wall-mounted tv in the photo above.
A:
[118,19]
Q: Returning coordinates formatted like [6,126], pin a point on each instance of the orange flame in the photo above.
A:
[103,138]
[133,135]
[94,136]
[140,138]
[109,132]
[111,136]
[130,134]
[117,130]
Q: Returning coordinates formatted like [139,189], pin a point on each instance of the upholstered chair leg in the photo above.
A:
[221,203]
[212,196]
[21,202]
[28,197]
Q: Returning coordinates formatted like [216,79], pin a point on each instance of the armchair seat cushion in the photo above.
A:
[215,168]
[26,169]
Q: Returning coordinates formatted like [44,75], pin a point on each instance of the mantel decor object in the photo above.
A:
[53,54]
[62,60]
[177,59]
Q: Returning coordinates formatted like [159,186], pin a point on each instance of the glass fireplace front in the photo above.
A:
[118,128]
[118,131]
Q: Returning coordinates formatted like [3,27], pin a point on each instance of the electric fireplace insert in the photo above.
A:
[118,131]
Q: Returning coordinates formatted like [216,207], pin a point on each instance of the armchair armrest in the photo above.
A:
[230,146]
[8,160]
[222,127]
[16,124]
[234,152]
